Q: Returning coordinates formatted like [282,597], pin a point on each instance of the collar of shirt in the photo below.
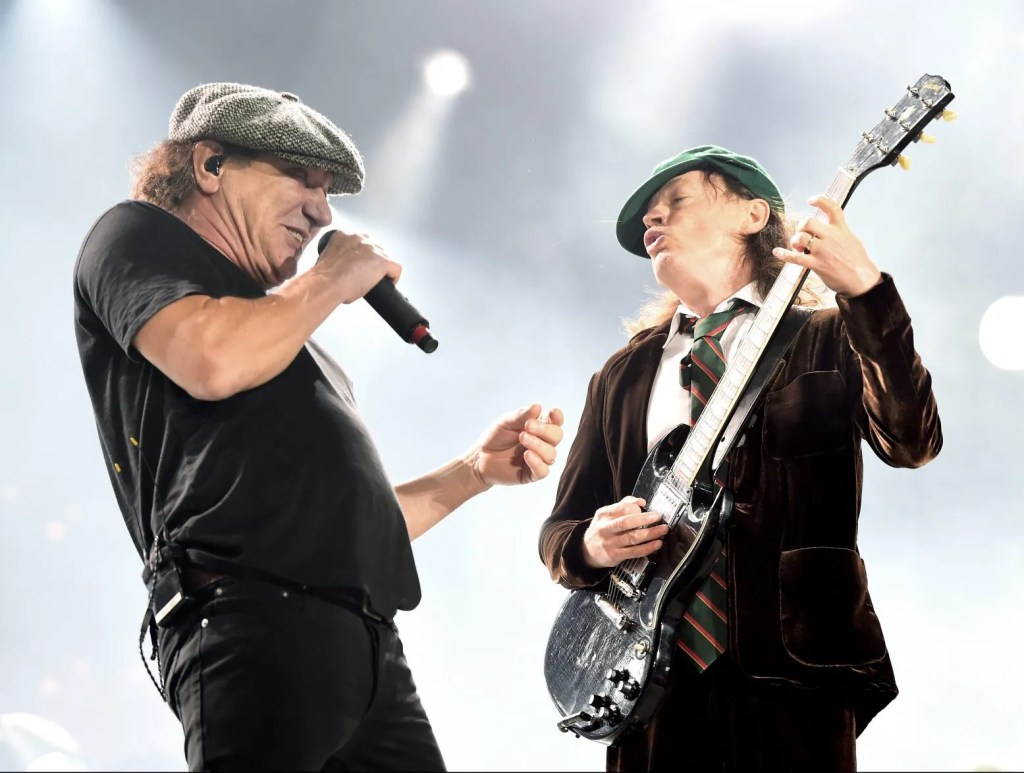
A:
[747,293]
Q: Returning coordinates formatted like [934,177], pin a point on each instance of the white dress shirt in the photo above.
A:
[669,405]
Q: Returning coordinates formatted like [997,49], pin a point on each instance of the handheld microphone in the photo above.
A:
[395,309]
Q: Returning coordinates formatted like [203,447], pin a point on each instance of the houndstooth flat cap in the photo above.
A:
[273,121]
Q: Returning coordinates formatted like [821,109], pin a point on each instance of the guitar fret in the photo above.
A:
[685,467]
[677,483]
[742,357]
[717,408]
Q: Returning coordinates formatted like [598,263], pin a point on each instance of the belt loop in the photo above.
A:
[369,612]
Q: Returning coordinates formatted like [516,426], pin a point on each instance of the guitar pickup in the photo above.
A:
[613,613]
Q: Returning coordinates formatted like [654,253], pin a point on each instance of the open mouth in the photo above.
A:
[299,236]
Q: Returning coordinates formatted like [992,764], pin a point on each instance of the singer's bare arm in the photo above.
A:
[429,499]
[519,447]
[214,348]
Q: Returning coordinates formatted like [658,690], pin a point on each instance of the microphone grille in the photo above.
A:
[323,241]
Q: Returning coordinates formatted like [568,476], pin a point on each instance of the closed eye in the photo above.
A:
[302,175]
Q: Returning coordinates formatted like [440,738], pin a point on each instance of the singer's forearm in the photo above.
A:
[214,348]
[429,499]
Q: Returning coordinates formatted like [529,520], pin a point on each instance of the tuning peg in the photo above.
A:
[948,115]
[904,162]
[927,139]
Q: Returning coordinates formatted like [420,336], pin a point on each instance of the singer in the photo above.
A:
[276,551]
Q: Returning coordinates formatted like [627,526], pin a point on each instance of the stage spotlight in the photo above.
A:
[405,162]
[998,333]
[446,73]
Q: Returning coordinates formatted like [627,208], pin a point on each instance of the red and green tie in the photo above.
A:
[704,631]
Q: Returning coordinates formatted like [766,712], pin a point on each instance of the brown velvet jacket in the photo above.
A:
[799,608]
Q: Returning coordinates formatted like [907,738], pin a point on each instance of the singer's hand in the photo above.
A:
[355,264]
[518,448]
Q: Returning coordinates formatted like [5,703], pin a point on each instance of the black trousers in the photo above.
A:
[719,722]
[264,678]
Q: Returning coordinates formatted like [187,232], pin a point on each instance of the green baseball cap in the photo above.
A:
[630,227]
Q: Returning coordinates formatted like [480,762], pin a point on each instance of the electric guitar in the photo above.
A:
[610,653]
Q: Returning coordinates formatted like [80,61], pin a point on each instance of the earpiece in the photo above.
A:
[213,163]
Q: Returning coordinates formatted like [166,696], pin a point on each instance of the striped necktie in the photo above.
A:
[704,630]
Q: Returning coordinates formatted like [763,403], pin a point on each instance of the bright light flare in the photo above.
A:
[446,73]
[999,333]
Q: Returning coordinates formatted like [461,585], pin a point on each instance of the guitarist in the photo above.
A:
[800,666]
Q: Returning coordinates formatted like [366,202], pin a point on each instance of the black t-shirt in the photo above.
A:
[283,478]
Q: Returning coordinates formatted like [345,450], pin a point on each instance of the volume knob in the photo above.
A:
[610,714]
[630,688]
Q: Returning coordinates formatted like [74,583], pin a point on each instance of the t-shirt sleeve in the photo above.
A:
[132,265]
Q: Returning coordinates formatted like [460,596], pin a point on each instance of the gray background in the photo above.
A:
[500,205]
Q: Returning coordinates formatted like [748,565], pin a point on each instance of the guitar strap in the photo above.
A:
[764,374]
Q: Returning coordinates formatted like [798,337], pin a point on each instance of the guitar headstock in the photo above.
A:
[904,123]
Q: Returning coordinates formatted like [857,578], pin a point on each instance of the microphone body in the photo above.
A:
[395,309]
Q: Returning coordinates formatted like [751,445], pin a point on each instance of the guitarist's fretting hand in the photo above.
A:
[836,255]
[622,531]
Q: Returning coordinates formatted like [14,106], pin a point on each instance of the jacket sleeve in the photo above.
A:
[896,411]
[585,485]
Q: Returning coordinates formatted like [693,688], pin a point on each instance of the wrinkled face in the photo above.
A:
[277,207]
[694,230]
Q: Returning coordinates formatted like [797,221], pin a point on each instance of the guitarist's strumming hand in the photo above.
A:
[622,531]
[832,251]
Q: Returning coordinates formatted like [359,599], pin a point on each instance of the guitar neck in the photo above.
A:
[705,434]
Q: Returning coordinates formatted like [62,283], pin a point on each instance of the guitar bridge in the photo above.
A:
[625,586]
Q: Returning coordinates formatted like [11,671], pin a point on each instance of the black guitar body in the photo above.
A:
[609,655]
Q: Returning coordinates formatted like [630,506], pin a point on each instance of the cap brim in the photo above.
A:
[630,227]
[344,178]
